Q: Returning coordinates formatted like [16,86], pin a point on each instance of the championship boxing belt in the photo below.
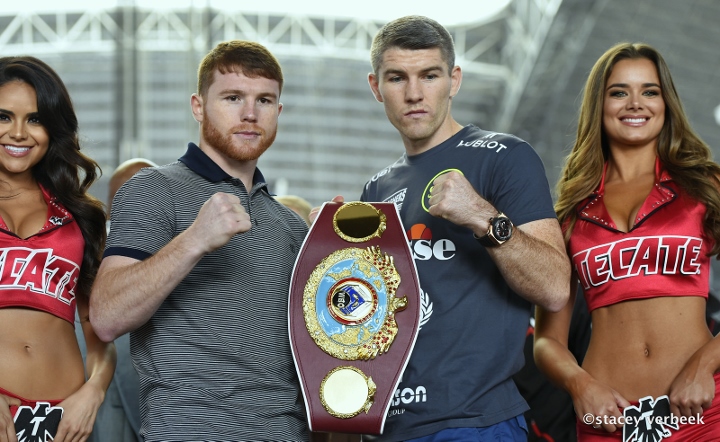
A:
[354,314]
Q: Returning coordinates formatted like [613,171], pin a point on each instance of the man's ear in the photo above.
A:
[375,86]
[456,78]
[196,105]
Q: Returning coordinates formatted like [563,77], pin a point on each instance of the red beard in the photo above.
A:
[235,149]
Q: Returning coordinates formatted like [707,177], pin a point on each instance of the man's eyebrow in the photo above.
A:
[241,92]
[426,70]
[393,71]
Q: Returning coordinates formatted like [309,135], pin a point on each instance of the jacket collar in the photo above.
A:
[57,215]
[593,209]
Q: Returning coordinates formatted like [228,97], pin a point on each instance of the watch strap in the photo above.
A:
[489,239]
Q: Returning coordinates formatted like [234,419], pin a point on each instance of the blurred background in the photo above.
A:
[131,67]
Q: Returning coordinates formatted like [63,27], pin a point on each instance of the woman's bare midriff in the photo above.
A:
[638,347]
[40,355]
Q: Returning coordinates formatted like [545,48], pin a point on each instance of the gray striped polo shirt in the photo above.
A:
[214,361]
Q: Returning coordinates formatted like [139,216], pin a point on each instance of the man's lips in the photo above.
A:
[247,132]
[416,112]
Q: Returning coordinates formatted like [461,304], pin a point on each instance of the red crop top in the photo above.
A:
[664,254]
[41,272]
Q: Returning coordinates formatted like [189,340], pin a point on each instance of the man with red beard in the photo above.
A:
[197,268]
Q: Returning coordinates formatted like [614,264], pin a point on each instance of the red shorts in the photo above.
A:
[707,431]
[28,403]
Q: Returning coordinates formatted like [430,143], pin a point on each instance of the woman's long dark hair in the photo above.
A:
[64,171]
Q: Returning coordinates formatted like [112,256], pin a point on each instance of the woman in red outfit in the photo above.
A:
[640,208]
[51,238]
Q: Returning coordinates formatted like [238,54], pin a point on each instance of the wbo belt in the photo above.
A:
[354,313]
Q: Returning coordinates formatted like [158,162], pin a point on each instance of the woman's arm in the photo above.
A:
[594,401]
[693,389]
[80,408]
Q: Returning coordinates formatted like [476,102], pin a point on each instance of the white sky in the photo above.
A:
[447,13]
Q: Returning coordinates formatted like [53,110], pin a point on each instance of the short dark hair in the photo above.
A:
[248,57]
[412,32]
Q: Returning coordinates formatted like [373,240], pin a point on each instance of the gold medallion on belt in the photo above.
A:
[349,305]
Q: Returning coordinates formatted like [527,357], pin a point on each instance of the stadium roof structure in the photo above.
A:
[686,34]
[120,54]
[503,47]
[130,70]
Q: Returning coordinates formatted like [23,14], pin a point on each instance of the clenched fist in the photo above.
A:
[221,217]
[453,198]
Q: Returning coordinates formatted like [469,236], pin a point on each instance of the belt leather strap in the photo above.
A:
[354,314]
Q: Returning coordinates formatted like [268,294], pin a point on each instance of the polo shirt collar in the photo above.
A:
[198,161]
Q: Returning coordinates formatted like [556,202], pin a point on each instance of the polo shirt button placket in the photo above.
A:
[245,198]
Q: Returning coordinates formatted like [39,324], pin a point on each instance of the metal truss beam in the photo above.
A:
[502,49]
[59,32]
[197,29]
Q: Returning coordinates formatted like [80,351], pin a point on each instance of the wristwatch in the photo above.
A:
[499,231]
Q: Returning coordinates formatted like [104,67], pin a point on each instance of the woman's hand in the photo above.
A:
[598,405]
[80,410]
[693,389]
[7,426]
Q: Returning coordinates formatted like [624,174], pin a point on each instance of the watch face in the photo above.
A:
[502,229]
